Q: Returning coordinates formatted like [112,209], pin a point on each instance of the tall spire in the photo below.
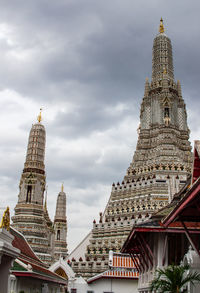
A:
[60,226]
[31,215]
[162,56]
[36,148]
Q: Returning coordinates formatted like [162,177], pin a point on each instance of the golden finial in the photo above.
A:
[165,71]
[167,120]
[161,28]
[39,118]
[5,222]
[62,187]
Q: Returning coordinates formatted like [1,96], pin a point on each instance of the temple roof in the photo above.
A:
[26,251]
[22,268]
[28,264]
[115,275]
[121,267]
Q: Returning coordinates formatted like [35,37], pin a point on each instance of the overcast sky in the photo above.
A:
[85,63]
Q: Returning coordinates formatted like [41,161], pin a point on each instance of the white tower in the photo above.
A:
[60,226]
[29,216]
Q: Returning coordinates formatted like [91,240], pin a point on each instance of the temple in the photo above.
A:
[31,216]
[160,167]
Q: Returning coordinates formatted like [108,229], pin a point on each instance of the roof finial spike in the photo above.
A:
[39,118]
[161,27]
[5,221]
[45,203]
[62,187]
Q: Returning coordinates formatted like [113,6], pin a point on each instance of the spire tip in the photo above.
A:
[39,118]
[161,27]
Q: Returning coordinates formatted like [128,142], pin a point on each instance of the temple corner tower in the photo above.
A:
[60,226]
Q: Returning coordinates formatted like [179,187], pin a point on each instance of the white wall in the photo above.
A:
[30,285]
[109,285]
[114,285]
[80,250]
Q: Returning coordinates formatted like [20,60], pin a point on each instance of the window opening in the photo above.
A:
[58,235]
[166,112]
[28,194]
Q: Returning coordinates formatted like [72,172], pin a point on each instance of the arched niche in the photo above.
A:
[61,273]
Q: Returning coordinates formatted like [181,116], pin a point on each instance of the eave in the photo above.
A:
[38,276]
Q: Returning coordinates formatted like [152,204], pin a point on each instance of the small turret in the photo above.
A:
[179,88]
[46,214]
[60,226]
[146,88]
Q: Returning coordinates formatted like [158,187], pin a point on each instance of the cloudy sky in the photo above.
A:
[85,63]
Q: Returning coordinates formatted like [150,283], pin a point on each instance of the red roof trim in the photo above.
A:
[176,229]
[171,229]
[111,277]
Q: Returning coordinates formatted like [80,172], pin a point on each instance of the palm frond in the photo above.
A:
[173,278]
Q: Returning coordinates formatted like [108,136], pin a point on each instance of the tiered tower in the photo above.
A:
[30,214]
[60,226]
[161,164]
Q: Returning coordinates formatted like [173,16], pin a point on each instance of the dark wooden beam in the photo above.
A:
[142,255]
[194,246]
[135,263]
[164,250]
[145,250]
[147,246]
[139,264]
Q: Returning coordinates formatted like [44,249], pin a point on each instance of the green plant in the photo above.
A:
[173,278]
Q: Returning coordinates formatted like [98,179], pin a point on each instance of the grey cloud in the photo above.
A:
[87,118]
[93,55]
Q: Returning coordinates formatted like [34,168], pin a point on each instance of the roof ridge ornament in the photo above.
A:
[161,27]
[5,222]
[39,117]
